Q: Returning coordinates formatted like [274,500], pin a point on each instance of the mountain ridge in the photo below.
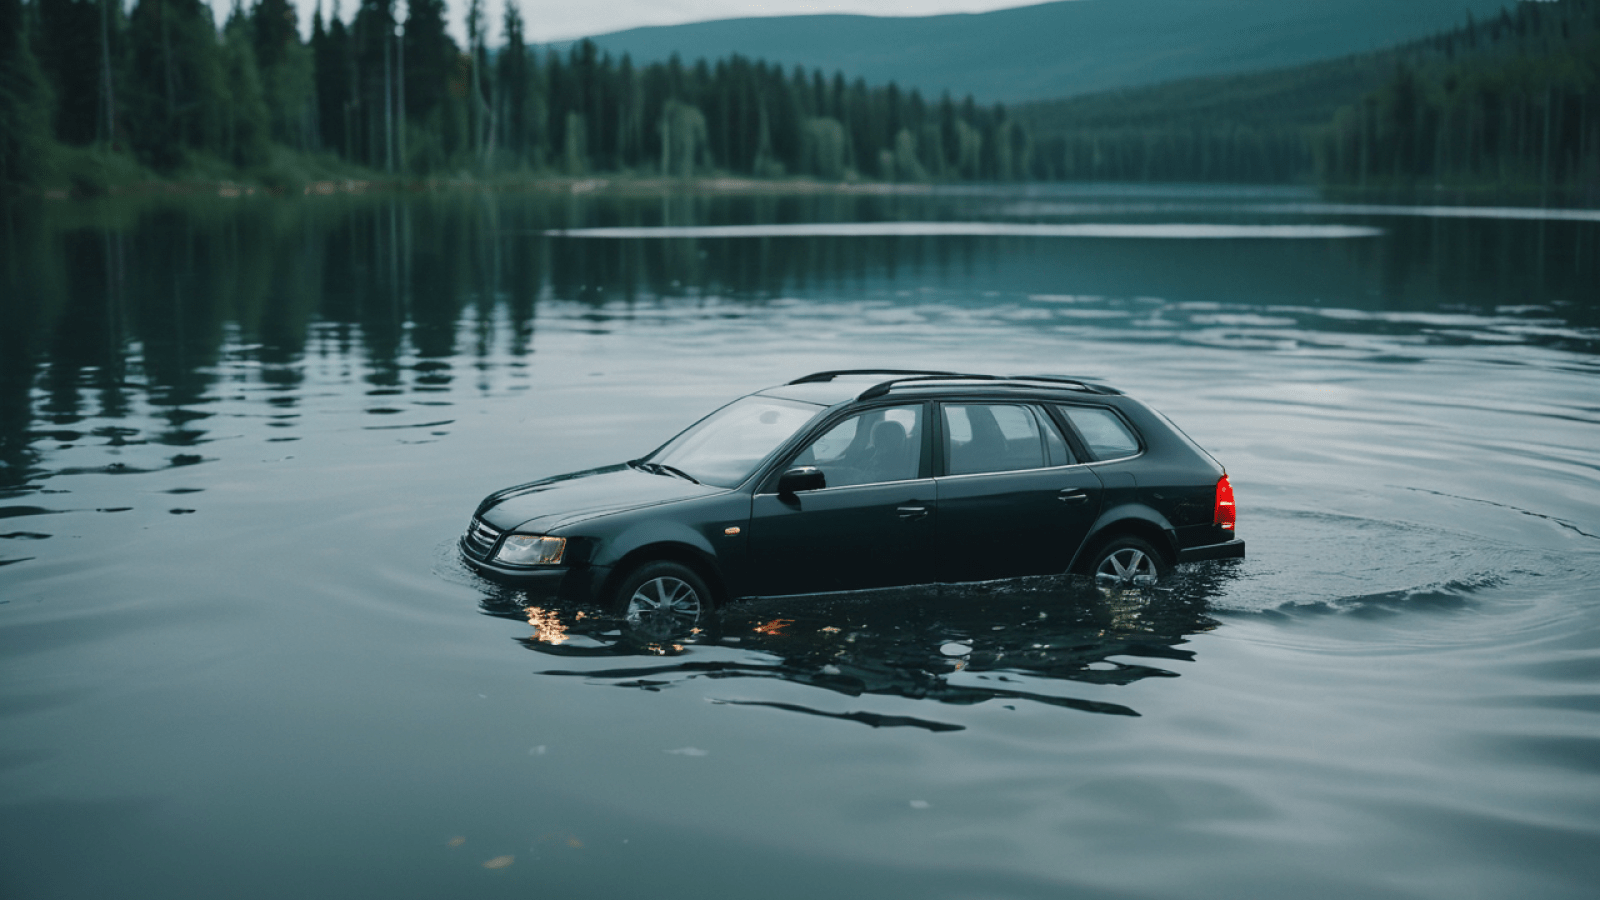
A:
[1059,49]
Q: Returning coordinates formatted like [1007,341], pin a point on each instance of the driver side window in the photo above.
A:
[876,446]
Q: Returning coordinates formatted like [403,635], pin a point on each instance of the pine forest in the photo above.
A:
[93,92]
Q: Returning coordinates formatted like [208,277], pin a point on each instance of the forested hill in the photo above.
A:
[1511,101]
[1058,49]
[89,90]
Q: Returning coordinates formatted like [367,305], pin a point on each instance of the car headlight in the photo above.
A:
[531,550]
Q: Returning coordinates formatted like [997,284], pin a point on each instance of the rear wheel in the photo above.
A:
[663,598]
[1129,562]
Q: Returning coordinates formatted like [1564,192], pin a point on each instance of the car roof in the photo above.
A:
[842,385]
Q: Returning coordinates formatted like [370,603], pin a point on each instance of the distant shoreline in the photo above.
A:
[626,185]
[619,185]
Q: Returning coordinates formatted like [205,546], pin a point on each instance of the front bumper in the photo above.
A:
[580,582]
[1233,549]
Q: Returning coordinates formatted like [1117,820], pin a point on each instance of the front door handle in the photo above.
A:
[1072,496]
[912,512]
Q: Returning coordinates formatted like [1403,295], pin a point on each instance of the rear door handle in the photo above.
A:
[912,512]
[1071,496]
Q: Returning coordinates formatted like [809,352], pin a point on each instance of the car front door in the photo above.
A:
[1012,500]
[869,526]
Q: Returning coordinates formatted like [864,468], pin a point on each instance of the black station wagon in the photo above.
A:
[856,479]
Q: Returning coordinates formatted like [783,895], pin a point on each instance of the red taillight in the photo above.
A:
[1222,514]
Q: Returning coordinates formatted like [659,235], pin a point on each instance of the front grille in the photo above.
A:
[481,538]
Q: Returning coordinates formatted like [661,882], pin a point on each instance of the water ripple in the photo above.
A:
[1159,231]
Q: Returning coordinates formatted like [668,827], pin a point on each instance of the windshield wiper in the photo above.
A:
[675,471]
[662,469]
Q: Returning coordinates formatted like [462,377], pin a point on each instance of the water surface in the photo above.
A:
[238,656]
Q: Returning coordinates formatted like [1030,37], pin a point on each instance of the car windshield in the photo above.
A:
[725,447]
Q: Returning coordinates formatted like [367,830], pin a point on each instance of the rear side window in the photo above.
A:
[1103,431]
[992,438]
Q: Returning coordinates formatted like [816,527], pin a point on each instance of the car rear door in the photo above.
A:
[1012,499]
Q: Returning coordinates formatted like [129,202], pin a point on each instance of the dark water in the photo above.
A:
[238,657]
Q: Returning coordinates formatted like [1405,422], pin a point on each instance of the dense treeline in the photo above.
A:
[163,84]
[87,86]
[1514,101]
[1232,128]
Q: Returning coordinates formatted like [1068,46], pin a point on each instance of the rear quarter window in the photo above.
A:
[1106,435]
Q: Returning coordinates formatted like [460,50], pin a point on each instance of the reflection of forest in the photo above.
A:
[1007,642]
[100,301]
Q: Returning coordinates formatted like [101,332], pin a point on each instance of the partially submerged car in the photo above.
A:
[856,479]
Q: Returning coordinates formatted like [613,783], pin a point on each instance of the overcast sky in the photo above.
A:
[559,20]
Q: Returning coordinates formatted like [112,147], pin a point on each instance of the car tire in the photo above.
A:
[662,597]
[1128,562]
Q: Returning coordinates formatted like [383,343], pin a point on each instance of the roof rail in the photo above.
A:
[831,374]
[1080,381]
[884,387]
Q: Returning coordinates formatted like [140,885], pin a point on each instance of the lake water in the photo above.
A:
[238,655]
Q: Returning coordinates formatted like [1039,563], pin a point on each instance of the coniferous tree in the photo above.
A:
[68,48]
[371,30]
[512,73]
[416,103]
[177,93]
[478,108]
[288,72]
[24,101]
[434,117]
[245,119]
[330,53]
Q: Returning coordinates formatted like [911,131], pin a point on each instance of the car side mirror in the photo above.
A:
[801,478]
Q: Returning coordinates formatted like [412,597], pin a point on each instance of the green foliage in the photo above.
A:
[245,125]
[24,101]
[92,171]
[1236,128]
[1469,106]
[576,149]
[189,100]
[178,90]
[904,164]
[519,106]
[287,73]
[70,44]
[1513,103]
[683,139]
[824,148]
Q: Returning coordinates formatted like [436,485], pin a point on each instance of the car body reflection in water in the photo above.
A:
[1017,641]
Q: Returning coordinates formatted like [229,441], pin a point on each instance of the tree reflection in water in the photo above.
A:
[1010,641]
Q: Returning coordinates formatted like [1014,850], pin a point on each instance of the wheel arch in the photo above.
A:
[669,551]
[1128,521]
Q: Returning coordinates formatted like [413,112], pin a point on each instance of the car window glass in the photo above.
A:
[876,446]
[724,447]
[991,437]
[1103,431]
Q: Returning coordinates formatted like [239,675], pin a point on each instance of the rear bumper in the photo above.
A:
[1233,549]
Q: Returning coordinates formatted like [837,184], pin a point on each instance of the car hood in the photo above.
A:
[544,505]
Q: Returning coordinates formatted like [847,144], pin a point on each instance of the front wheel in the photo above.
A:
[663,598]
[1129,562]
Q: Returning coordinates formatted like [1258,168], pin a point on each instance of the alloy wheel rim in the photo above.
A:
[664,598]
[1128,566]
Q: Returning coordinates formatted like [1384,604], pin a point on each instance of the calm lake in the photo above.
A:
[240,658]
